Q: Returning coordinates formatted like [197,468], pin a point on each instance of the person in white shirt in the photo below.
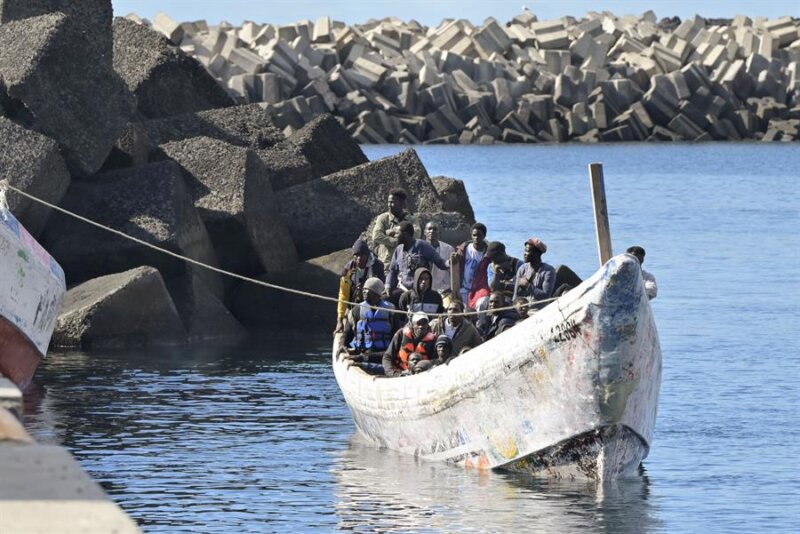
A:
[650,286]
[441,278]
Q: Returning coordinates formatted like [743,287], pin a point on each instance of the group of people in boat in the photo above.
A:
[410,318]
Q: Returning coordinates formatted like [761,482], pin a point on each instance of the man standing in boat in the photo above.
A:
[472,265]
[441,278]
[386,232]
[535,279]
[414,338]
[650,286]
[410,255]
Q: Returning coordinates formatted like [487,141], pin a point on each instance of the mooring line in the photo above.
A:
[5,185]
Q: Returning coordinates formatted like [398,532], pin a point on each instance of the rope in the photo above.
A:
[4,184]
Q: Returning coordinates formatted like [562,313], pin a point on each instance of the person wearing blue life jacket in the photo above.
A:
[369,328]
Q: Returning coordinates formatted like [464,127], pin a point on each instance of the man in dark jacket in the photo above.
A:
[462,332]
[502,272]
[422,297]
[409,255]
[496,322]
[535,279]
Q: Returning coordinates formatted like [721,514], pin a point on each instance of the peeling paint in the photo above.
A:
[570,392]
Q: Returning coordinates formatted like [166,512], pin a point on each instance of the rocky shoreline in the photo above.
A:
[600,78]
[105,118]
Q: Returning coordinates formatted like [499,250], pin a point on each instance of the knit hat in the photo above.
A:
[375,285]
[444,340]
[495,250]
[537,243]
[360,247]
[419,316]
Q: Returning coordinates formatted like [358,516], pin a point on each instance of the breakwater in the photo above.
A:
[597,78]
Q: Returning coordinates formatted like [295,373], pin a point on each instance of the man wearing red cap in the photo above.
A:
[536,280]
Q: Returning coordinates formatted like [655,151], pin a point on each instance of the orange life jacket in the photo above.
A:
[425,346]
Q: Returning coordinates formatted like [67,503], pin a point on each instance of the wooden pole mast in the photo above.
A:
[600,212]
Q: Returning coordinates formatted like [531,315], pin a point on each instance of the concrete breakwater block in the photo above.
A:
[150,203]
[248,126]
[391,81]
[261,307]
[453,194]
[91,18]
[231,190]
[128,309]
[203,313]
[46,66]
[326,145]
[324,214]
[31,162]
[165,81]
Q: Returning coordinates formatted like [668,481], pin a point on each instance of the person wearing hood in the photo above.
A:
[422,297]
[497,320]
[409,255]
[362,266]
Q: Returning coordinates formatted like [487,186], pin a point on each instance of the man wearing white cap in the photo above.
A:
[414,338]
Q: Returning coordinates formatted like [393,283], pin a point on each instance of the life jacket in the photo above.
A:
[425,347]
[374,328]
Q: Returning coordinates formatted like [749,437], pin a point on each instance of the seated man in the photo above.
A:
[498,320]
[502,272]
[410,255]
[417,365]
[650,286]
[416,337]
[422,297]
[523,307]
[444,349]
[369,328]
[536,280]
[462,332]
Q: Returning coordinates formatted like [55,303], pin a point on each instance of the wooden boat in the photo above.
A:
[31,290]
[569,393]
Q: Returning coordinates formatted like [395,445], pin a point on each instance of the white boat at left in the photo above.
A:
[32,287]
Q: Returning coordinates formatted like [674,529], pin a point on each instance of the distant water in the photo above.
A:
[258,438]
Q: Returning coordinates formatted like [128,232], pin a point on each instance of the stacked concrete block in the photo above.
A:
[248,125]
[151,203]
[31,162]
[231,190]
[358,194]
[165,81]
[56,82]
[123,310]
[394,81]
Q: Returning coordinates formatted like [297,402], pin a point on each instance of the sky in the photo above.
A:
[431,12]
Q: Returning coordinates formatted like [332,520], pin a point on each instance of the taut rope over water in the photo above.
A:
[5,185]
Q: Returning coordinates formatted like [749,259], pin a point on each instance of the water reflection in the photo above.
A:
[380,490]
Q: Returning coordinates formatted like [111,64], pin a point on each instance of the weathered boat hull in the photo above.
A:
[571,392]
[31,290]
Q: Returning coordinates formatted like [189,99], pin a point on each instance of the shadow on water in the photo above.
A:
[380,490]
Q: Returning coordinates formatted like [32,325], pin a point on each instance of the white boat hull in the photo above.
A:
[571,392]
[31,291]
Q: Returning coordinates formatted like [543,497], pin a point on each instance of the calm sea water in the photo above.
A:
[258,438]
